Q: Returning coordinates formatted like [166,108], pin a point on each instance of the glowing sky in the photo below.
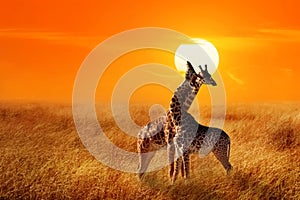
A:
[43,44]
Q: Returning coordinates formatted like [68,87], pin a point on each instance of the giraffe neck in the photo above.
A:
[183,97]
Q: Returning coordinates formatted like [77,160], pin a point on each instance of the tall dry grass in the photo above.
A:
[42,157]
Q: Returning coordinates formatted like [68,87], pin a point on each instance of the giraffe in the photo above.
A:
[188,136]
[152,136]
[178,101]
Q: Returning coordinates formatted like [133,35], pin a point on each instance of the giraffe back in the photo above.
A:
[193,137]
[151,136]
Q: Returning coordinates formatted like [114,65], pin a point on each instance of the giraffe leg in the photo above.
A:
[182,169]
[144,159]
[171,153]
[176,170]
[178,161]
[145,156]
[222,154]
[186,163]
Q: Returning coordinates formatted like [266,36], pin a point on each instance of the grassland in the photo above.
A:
[42,157]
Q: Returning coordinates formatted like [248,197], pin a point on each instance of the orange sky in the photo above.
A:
[43,44]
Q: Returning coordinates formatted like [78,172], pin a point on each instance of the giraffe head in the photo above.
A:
[205,77]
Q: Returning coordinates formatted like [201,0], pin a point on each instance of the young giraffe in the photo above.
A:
[152,136]
[192,137]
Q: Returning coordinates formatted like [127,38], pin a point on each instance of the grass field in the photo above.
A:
[42,157]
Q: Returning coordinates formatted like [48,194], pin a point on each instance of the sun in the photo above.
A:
[201,52]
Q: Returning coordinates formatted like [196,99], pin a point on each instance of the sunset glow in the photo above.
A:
[44,43]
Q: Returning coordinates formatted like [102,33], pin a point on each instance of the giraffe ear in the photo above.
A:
[200,75]
[205,67]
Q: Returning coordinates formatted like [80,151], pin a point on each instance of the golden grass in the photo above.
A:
[42,157]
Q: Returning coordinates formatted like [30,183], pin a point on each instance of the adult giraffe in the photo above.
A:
[153,136]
